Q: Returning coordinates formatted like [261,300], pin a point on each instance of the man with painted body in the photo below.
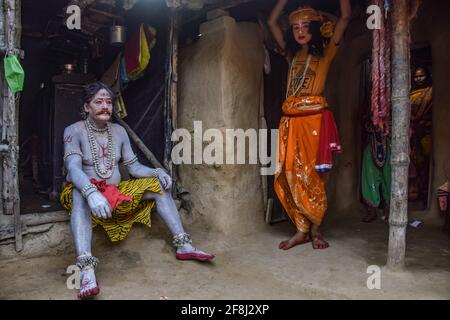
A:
[95,194]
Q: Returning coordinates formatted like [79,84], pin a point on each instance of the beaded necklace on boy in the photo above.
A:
[108,170]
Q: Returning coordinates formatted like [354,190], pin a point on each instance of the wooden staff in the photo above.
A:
[170,108]
[398,216]
[139,143]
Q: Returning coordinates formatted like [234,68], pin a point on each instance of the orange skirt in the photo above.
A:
[299,187]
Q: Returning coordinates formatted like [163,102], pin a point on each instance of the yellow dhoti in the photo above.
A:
[127,213]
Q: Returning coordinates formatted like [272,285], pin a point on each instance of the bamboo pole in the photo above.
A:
[398,216]
[149,107]
[173,94]
[170,108]
[139,143]
[10,181]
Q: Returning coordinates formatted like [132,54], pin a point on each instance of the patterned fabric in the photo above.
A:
[300,188]
[317,72]
[127,212]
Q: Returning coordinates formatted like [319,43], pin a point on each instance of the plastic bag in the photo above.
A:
[14,73]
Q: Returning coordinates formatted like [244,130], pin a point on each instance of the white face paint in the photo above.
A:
[301,32]
[100,107]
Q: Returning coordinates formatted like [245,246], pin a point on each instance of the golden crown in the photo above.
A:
[304,14]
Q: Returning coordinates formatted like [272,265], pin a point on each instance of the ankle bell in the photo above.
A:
[85,262]
[181,239]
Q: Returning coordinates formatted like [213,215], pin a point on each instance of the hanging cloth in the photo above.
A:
[137,51]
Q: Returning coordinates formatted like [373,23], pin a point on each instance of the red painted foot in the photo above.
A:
[89,294]
[195,256]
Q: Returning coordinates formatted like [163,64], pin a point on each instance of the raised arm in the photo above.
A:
[274,27]
[343,21]
[138,170]
[73,161]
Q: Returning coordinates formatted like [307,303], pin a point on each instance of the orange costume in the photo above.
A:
[298,183]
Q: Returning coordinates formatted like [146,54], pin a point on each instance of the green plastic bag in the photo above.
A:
[14,73]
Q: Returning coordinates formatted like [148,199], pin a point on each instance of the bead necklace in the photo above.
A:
[105,173]
[94,128]
[379,149]
[296,82]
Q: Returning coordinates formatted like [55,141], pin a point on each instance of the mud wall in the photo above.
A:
[220,80]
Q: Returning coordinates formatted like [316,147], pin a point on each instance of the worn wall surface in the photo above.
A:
[343,93]
[219,84]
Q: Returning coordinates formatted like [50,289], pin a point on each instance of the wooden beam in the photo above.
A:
[30,221]
[205,4]
[11,197]
[398,216]
[118,18]
[170,107]
[34,219]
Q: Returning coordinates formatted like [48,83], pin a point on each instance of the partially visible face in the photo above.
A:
[443,203]
[420,77]
[100,107]
[301,32]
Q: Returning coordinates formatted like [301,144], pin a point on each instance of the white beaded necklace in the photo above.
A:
[296,82]
[110,157]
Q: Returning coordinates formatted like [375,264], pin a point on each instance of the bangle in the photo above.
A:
[88,189]
[73,152]
[131,161]
[157,171]
[88,193]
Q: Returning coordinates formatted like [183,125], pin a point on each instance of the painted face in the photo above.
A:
[100,107]
[301,32]
[420,76]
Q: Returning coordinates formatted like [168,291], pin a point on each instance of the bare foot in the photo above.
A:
[89,287]
[318,241]
[298,238]
[370,216]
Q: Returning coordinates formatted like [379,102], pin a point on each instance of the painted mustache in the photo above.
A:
[103,111]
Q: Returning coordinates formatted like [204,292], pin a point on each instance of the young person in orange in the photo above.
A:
[307,131]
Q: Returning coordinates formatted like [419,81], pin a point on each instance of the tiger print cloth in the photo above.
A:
[127,212]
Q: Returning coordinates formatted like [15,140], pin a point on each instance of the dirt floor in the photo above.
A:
[246,267]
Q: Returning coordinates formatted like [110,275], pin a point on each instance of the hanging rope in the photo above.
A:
[381,73]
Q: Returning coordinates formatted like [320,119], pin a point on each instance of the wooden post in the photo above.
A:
[398,217]
[10,130]
[170,109]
